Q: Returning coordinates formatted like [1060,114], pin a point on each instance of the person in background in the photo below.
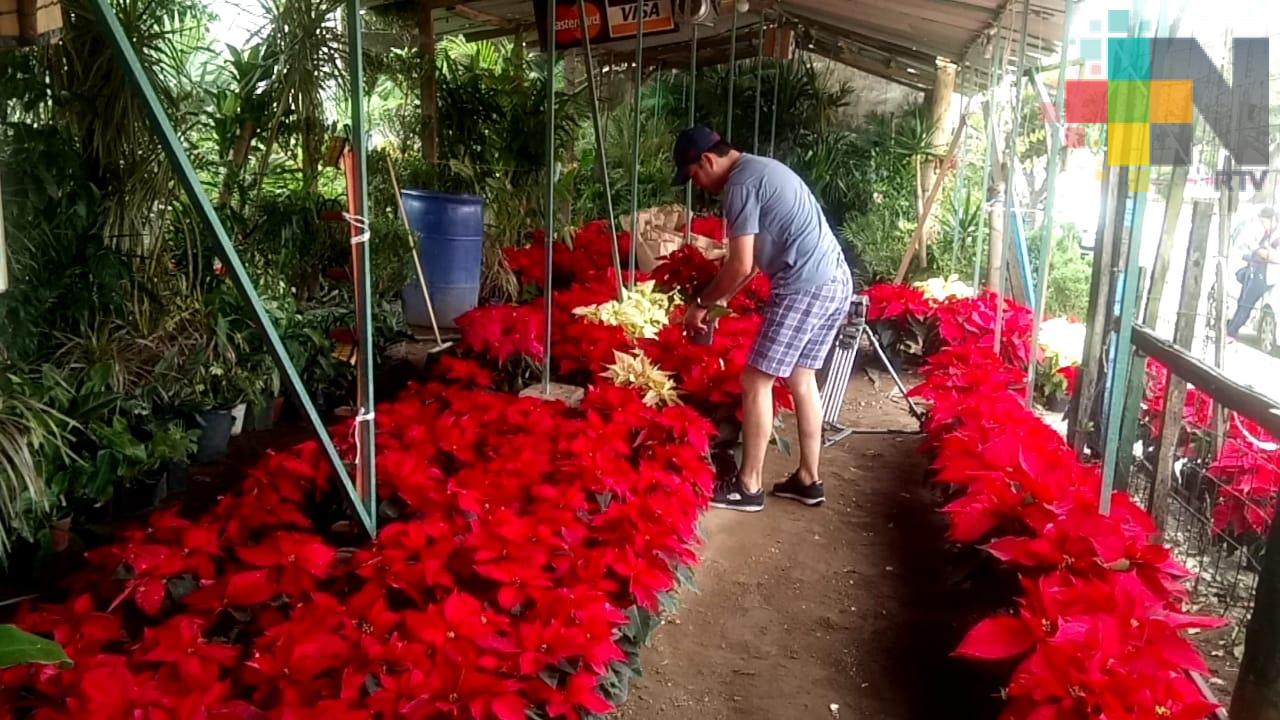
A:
[1260,274]
[776,226]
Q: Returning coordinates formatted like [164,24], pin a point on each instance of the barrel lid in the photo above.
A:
[437,195]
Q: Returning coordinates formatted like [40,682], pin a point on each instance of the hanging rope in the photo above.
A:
[693,98]
[635,139]
[601,158]
[551,186]
[755,133]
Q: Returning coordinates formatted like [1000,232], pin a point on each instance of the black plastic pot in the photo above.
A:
[215,433]
[262,414]
[1059,403]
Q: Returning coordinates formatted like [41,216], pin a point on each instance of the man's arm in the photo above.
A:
[735,272]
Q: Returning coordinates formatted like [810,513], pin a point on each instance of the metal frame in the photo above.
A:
[190,182]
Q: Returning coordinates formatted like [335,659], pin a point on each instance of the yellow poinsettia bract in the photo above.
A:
[635,370]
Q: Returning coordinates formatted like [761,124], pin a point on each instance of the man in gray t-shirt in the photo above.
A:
[777,227]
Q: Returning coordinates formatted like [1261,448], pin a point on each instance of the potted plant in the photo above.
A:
[218,389]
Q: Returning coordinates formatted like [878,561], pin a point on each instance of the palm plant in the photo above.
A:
[31,434]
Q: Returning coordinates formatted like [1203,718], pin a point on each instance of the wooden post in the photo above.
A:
[1175,394]
[919,238]
[1098,319]
[1160,270]
[944,86]
[1228,198]
[430,108]
[1132,387]
[996,223]
[1257,693]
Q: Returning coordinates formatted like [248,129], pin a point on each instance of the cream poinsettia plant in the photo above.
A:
[635,370]
[939,289]
[642,312]
[1064,340]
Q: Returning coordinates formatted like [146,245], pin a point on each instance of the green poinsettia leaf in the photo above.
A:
[18,647]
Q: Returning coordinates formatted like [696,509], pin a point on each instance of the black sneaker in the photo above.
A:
[733,497]
[794,489]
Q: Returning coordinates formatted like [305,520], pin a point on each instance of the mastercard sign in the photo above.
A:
[607,20]
[569,25]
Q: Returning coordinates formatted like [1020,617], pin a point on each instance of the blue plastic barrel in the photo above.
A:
[451,228]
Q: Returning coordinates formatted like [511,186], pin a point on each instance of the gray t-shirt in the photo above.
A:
[794,245]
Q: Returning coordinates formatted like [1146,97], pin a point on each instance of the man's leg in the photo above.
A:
[804,389]
[757,426]
[1250,294]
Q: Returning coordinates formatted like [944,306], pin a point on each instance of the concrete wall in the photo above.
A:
[872,94]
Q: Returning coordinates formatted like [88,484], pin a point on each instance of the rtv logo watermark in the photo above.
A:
[1150,88]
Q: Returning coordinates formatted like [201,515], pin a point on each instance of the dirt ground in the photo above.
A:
[844,611]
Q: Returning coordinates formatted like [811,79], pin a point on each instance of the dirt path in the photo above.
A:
[799,609]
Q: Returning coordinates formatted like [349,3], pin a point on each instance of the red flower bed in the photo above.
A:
[1246,468]
[501,585]
[588,252]
[1098,629]
[508,580]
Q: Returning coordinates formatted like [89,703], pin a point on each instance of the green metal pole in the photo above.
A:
[693,104]
[1011,157]
[190,182]
[1118,379]
[602,160]
[1056,128]
[366,474]
[733,73]
[551,189]
[755,133]
[635,137]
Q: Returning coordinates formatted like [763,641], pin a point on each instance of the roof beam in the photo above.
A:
[883,69]
[482,17]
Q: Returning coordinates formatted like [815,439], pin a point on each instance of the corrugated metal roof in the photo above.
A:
[901,40]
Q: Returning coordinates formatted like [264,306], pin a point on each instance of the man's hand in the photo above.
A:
[695,319]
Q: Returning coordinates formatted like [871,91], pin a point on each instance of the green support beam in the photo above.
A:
[366,486]
[190,182]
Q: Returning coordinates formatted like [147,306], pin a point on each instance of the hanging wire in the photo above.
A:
[635,139]
[602,160]
[551,186]
[755,133]
[693,86]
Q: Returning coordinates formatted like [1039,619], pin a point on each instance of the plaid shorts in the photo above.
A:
[799,327]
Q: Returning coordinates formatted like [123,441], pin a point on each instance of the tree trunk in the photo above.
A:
[430,109]
[1257,694]
[939,110]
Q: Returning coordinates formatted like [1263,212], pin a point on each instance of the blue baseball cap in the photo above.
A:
[690,144]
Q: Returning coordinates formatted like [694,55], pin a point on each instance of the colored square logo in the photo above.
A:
[1172,101]
[1091,49]
[1128,102]
[1129,144]
[1086,101]
[1129,58]
[1118,22]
